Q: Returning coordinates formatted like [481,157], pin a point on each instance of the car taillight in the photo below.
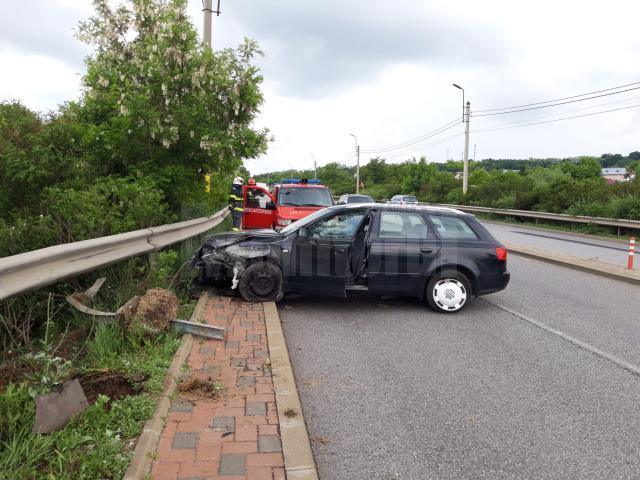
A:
[501,254]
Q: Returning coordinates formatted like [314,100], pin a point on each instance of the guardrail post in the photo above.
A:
[632,249]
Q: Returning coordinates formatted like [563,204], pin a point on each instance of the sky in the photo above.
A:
[383,71]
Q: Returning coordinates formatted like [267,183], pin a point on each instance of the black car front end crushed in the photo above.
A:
[221,262]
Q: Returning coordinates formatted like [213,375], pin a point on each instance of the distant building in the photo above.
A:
[617,174]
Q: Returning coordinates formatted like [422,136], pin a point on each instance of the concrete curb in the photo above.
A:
[148,441]
[296,447]
[577,263]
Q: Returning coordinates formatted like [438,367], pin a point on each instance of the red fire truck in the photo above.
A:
[290,200]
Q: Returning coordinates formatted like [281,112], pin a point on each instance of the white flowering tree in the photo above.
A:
[160,103]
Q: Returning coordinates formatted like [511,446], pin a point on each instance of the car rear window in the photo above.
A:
[359,199]
[410,198]
[403,225]
[453,227]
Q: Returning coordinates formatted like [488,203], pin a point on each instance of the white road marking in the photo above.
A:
[631,368]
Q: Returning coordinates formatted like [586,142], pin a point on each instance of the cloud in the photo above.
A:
[40,82]
[45,28]
[319,48]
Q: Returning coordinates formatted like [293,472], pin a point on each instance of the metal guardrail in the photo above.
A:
[32,270]
[559,217]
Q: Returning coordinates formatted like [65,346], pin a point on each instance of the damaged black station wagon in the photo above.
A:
[438,254]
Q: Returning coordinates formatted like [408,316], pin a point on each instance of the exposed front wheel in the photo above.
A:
[448,291]
[261,282]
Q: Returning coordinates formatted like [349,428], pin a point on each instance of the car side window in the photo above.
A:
[403,225]
[342,225]
[453,227]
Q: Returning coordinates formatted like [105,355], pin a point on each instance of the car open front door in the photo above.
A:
[259,207]
[402,247]
[320,252]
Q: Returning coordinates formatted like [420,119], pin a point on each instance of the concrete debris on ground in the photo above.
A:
[53,411]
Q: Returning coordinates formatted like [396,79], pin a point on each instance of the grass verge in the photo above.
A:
[121,371]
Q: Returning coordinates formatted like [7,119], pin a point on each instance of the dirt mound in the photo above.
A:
[154,310]
[115,385]
[200,387]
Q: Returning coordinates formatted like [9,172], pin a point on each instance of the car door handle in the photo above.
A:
[426,250]
[341,250]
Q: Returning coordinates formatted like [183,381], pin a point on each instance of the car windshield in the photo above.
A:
[304,221]
[359,199]
[304,197]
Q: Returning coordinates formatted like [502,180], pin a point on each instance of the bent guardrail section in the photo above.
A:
[560,217]
[32,270]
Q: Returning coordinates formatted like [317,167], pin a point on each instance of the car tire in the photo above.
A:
[261,282]
[448,291]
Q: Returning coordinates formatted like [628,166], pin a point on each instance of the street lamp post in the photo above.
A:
[315,167]
[466,116]
[357,164]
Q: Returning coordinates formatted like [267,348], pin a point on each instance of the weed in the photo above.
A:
[290,413]
[50,370]
[108,343]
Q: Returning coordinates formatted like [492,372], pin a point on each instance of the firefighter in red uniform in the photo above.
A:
[235,203]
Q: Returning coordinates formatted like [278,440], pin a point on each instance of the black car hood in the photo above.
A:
[223,240]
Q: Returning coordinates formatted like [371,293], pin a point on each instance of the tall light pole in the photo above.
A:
[207,10]
[466,116]
[315,167]
[357,164]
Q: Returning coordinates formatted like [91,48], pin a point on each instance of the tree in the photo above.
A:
[159,103]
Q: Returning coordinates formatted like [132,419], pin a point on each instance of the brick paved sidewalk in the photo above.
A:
[237,436]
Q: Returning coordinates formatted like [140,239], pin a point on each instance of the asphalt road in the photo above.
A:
[603,250]
[537,384]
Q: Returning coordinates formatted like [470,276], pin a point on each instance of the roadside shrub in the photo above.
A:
[111,205]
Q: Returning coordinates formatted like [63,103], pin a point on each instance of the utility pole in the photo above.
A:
[207,9]
[465,173]
[357,164]
[474,152]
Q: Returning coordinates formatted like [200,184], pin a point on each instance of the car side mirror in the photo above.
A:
[270,206]
[302,232]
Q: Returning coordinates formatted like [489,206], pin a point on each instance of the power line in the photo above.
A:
[347,157]
[559,99]
[555,120]
[590,107]
[433,144]
[556,104]
[419,139]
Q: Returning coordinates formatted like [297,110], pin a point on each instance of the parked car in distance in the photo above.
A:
[440,255]
[348,198]
[403,200]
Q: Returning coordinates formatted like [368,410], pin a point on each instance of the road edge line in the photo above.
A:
[296,446]
[148,441]
[576,263]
